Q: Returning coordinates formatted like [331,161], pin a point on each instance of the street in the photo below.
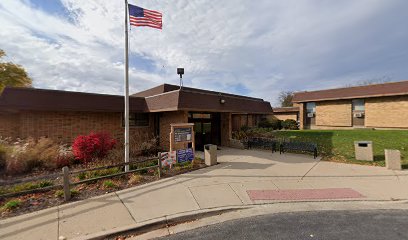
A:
[367,224]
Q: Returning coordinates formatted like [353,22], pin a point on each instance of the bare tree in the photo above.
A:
[285,98]
[371,81]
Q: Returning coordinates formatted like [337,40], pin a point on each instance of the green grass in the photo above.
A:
[12,204]
[109,184]
[25,187]
[338,145]
[98,173]
[60,193]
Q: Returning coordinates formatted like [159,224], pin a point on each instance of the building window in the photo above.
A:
[137,120]
[311,107]
[358,105]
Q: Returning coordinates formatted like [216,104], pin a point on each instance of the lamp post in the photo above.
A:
[180,71]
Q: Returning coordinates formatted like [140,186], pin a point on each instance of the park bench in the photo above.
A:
[263,143]
[298,147]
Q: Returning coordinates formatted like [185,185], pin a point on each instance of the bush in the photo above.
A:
[29,154]
[3,153]
[135,178]
[93,146]
[274,123]
[239,135]
[290,124]
[149,147]
[62,161]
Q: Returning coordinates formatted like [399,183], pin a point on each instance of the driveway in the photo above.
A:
[240,172]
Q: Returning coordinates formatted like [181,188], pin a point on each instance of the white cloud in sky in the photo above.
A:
[255,48]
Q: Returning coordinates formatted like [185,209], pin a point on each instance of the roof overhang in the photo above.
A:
[206,102]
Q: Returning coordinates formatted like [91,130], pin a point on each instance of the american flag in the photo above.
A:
[140,17]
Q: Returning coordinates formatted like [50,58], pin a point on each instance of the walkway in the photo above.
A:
[223,185]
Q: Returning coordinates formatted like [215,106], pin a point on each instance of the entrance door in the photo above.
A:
[202,131]
[206,128]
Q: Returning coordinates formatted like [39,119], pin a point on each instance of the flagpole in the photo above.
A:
[126,88]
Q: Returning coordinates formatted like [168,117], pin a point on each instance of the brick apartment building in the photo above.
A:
[373,106]
[63,115]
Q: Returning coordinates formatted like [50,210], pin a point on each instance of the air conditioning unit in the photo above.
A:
[359,115]
[310,115]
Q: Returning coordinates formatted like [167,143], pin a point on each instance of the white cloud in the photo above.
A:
[259,48]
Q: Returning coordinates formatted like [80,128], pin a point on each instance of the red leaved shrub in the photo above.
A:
[62,161]
[87,148]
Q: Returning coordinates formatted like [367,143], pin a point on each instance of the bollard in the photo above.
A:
[392,159]
[67,190]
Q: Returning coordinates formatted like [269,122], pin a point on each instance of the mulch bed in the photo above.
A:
[38,201]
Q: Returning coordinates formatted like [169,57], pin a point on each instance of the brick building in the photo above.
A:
[284,113]
[373,106]
[63,115]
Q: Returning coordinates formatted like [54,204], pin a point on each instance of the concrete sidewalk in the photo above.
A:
[218,186]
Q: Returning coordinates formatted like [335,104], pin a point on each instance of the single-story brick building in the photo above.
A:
[284,113]
[372,106]
[63,115]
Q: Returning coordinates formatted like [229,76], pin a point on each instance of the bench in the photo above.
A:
[298,147]
[263,143]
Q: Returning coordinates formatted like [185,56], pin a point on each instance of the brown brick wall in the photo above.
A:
[65,126]
[334,113]
[226,129]
[9,125]
[387,112]
[167,118]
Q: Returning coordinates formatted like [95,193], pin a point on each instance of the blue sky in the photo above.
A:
[237,46]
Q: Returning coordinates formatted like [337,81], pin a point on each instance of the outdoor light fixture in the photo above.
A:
[222,101]
[180,71]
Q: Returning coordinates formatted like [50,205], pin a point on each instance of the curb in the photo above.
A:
[179,218]
[161,222]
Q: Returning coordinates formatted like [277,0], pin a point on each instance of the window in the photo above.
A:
[137,120]
[311,107]
[358,105]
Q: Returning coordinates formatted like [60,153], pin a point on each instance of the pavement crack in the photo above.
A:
[236,194]
[310,169]
[194,198]
[130,213]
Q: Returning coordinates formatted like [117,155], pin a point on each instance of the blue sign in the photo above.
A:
[184,155]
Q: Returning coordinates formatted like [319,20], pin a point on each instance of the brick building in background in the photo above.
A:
[63,115]
[284,113]
[372,106]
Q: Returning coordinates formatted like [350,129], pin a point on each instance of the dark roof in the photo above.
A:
[56,100]
[286,110]
[169,87]
[374,90]
[200,101]
[13,99]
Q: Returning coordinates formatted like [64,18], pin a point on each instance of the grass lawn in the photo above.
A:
[338,145]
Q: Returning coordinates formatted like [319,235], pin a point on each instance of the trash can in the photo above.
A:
[210,154]
[364,150]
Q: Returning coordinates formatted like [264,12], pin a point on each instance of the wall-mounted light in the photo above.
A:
[222,101]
